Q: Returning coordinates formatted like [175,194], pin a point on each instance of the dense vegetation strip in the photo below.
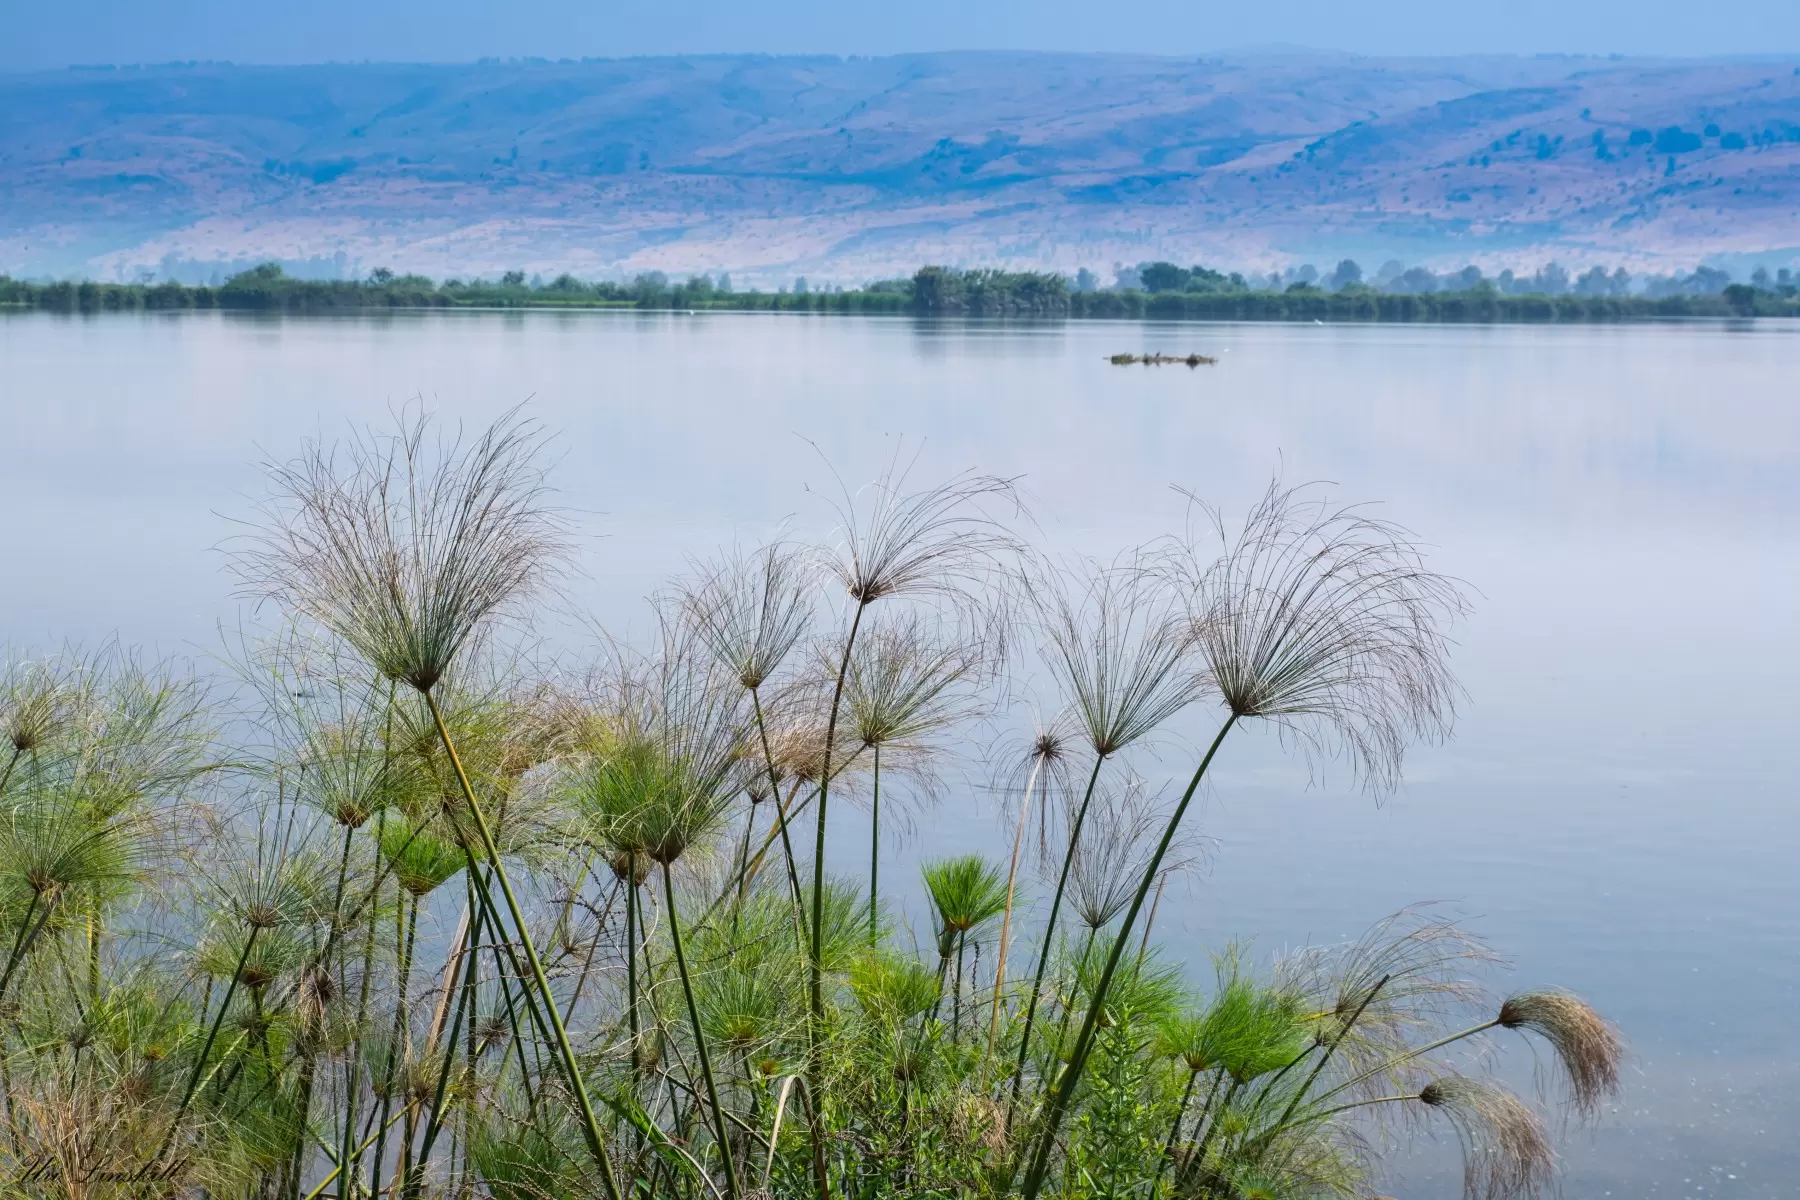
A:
[414,915]
[932,291]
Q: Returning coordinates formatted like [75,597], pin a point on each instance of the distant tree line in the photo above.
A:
[1474,305]
[1394,277]
[1157,290]
[268,287]
[989,293]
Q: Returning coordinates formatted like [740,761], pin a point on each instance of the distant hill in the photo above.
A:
[851,169]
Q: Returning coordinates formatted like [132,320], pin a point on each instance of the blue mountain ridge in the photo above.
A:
[852,168]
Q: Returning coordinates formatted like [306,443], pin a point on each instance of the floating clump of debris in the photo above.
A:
[1162,360]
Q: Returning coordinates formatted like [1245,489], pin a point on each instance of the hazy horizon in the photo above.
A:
[1245,51]
[89,32]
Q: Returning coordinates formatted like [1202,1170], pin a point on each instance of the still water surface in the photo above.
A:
[1617,812]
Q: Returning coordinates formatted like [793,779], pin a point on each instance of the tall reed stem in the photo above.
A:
[1144,942]
[471,940]
[28,931]
[962,941]
[337,1171]
[353,1088]
[706,1071]
[1168,1154]
[875,850]
[401,1045]
[815,1064]
[743,864]
[781,824]
[1409,1055]
[1062,1024]
[212,1034]
[1324,1058]
[1197,1159]
[1012,877]
[571,1068]
[298,1163]
[631,958]
[1037,978]
[93,954]
[1084,1041]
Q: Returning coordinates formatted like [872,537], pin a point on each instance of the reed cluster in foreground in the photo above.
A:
[412,916]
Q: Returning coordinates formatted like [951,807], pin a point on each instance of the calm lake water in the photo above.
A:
[1617,812]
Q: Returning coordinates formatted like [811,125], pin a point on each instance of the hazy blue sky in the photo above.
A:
[54,33]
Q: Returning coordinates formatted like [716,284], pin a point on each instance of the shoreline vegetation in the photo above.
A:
[930,292]
[409,913]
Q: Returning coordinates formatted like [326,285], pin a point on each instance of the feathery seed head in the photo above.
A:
[262,915]
[533,1159]
[674,761]
[331,723]
[1403,977]
[936,540]
[1252,1188]
[130,738]
[1114,852]
[50,846]
[907,681]
[1118,648]
[346,774]
[268,895]
[1586,1044]
[621,865]
[799,751]
[1048,745]
[37,700]
[418,1078]
[1036,774]
[491,1031]
[1506,1154]
[744,1010]
[750,612]
[1185,1036]
[1328,623]
[407,551]
[313,997]
[1144,990]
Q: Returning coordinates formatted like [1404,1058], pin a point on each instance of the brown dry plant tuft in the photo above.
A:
[1506,1153]
[1585,1042]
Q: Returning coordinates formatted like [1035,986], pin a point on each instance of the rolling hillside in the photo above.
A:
[848,169]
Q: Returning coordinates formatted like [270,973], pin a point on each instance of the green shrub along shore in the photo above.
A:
[932,291]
